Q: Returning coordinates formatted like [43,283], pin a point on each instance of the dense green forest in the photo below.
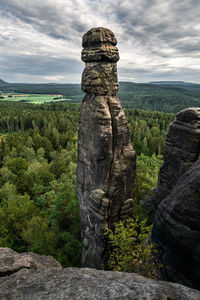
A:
[166,98]
[38,151]
[193,87]
[155,97]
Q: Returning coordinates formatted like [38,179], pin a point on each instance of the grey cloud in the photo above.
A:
[162,29]
[134,71]
[189,48]
[146,76]
[46,17]
[141,23]
[38,65]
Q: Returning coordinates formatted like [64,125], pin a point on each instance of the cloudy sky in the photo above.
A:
[40,40]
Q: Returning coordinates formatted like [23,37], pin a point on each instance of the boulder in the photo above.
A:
[12,262]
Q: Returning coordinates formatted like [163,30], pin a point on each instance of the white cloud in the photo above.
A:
[53,78]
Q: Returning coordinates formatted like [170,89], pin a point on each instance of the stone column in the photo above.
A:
[176,225]
[106,160]
[182,149]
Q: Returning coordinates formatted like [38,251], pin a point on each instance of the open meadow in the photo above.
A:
[32,98]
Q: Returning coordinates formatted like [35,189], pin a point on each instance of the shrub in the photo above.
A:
[130,251]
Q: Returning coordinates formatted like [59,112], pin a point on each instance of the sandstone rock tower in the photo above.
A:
[176,225]
[106,160]
[182,149]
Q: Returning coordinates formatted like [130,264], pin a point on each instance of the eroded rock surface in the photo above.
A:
[106,160]
[12,262]
[177,229]
[49,283]
[182,148]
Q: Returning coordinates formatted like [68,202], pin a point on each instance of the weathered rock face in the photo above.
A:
[182,148]
[106,160]
[176,227]
[53,283]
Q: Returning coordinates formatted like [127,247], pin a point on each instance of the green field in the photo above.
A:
[32,98]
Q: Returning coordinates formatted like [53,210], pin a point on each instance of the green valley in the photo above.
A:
[155,97]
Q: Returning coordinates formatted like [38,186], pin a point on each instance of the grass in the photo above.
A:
[33,98]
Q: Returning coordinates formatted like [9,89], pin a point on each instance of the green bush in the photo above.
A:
[130,251]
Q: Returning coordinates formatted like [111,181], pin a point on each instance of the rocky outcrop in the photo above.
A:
[50,282]
[177,230]
[176,227]
[106,160]
[182,148]
[12,262]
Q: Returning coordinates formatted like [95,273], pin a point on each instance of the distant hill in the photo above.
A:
[157,96]
[167,98]
[3,82]
[195,87]
[168,82]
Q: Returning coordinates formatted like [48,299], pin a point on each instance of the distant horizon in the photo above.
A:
[190,82]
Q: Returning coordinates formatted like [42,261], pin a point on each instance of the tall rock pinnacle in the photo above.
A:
[182,149]
[106,160]
[176,226]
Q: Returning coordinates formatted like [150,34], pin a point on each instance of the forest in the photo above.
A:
[39,209]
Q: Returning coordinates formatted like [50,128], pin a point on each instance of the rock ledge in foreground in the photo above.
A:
[50,282]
